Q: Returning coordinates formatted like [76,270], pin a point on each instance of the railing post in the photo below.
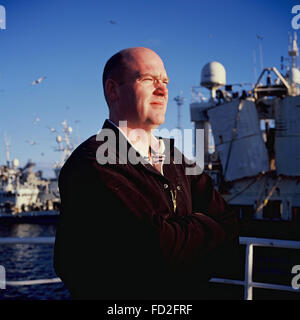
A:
[248,289]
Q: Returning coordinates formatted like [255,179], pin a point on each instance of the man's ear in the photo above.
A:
[111,89]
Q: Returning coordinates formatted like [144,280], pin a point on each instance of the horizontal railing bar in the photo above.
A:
[289,244]
[273,286]
[27,240]
[255,284]
[263,242]
[32,282]
[227,281]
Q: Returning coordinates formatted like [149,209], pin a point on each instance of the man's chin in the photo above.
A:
[156,123]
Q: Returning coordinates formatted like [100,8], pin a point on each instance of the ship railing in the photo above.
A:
[29,240]
[248,282]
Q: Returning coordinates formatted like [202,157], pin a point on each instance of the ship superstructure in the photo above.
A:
[255,161]
[64,146]
[22,189]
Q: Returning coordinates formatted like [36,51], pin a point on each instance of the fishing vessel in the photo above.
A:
[255,158]
[252,152]
[25,196]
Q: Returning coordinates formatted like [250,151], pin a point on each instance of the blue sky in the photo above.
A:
[69,42]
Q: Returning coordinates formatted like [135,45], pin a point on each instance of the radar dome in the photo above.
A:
[15,163]
[58,139]
[213,75]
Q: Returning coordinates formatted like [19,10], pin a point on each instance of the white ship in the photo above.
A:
[22,189]
[255,158]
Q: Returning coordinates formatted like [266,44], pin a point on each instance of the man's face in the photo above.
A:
[143,95]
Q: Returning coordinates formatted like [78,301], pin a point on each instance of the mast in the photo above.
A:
[179,101]
[7,144]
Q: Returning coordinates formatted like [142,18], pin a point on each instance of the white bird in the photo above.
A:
[38,81]
[37,119]
[51,129]
[31,142]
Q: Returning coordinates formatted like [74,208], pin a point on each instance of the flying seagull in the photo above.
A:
[38,81]
[37,119]
[31,142]
[51,129]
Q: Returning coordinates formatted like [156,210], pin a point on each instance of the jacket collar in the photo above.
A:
[157,145]
[165,147]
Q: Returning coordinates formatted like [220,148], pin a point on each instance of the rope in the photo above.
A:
[266,200]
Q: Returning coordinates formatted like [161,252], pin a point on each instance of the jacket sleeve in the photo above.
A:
[223,244]
[201,237]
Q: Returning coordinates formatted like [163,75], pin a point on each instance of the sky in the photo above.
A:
[69,41]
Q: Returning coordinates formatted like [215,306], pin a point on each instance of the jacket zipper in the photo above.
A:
[173,195]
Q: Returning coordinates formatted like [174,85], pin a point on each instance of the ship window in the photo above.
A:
[243,212]
[273,210]
[247,212]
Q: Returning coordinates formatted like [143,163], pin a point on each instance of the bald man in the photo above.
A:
[133,224]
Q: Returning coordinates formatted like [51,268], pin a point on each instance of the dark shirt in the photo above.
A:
[121,236]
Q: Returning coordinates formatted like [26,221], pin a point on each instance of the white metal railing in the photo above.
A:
[28,240]
[248,283]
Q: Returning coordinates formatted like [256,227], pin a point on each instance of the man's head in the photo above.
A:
[135,87]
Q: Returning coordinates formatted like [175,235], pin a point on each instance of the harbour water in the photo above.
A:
[29,262]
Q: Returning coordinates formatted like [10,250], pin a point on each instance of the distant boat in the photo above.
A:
[23,190]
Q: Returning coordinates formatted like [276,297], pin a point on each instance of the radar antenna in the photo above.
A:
[7,144]
[179,101]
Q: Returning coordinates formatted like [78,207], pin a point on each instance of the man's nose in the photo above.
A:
[161,88]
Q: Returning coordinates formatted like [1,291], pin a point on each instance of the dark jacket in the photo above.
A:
[119,236]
